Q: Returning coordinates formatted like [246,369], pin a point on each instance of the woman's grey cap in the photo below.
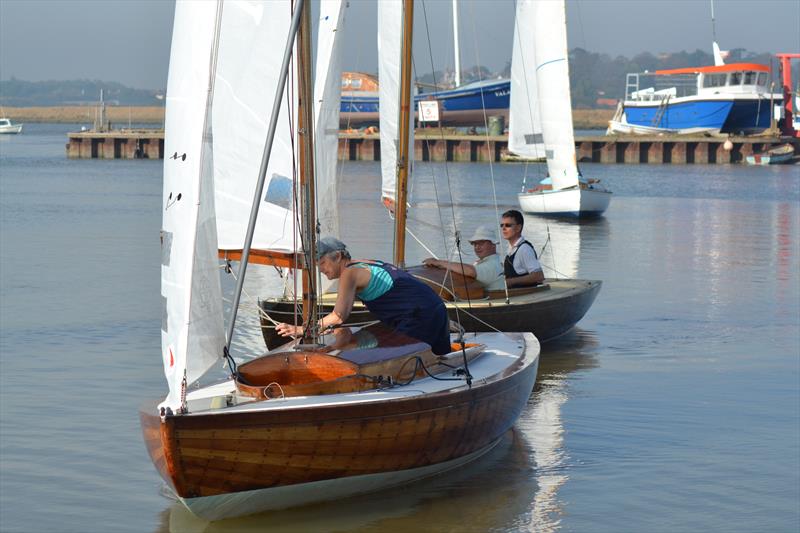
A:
[484,233]
[329,244]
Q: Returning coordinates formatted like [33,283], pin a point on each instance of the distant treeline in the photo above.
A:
[19,93]
[596,79]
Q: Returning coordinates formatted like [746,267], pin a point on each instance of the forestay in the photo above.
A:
[192,336]
[552,81]
[524,122]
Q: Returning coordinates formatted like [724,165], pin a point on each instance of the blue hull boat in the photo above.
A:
[463,106]
[724,99]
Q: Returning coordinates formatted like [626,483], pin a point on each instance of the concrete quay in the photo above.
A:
[116,144]
[435,146]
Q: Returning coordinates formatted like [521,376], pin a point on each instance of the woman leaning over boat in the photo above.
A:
[391,294]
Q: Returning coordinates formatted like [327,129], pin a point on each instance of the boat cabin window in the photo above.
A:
[750,78]
[714,80]
[736,78]
[762,78]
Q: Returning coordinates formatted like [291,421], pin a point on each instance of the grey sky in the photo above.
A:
[128,40]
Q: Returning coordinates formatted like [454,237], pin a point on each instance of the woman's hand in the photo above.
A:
[288,330]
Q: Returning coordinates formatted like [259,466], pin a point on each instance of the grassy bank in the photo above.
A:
[584,119]
[85,114]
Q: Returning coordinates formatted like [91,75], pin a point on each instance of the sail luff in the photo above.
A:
[192,335]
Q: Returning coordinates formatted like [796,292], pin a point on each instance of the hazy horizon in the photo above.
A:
[128,41]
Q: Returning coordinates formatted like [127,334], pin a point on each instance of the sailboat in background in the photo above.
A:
[540,117]
[320,418]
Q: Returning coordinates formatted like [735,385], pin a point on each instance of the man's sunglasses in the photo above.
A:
[507,225]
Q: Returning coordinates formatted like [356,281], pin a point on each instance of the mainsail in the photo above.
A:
[524,122]
[327,97]
[540,121]
[390,46]
[247,78]
[552,80]
[192,336]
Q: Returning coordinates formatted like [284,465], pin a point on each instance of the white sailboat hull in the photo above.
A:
[574,202]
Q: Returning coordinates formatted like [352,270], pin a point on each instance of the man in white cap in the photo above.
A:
[487,270]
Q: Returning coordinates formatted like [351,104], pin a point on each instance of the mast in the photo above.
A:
[455,44]
[403,131]
[305,141]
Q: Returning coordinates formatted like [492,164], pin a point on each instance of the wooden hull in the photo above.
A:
[224,463]
[547,315]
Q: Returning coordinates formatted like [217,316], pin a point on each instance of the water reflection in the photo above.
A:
[515,486]
[560,243]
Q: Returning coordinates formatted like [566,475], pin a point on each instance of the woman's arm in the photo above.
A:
[351,280]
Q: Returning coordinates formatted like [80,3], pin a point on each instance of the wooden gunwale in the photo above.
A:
[222,452]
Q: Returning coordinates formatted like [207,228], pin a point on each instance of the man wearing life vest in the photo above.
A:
[521,266]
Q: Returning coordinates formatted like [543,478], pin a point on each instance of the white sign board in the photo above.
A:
[428,111]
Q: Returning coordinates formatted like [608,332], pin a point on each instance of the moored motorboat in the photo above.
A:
[719,99]
[7,127]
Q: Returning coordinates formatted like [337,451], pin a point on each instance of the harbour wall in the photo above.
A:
[610,149]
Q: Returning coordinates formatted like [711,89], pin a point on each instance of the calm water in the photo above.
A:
[675,406]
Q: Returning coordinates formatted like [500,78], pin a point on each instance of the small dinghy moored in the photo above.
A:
[774,156]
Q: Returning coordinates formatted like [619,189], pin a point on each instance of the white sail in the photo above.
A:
[719,55]
[390,47]
[252,37]
[327,97]
[192,336]
[524,123]
[552,81]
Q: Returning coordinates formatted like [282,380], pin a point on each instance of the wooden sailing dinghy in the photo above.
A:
[336,415]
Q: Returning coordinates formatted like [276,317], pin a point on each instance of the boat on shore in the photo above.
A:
[7,127]
[712,100]
[461,106]
[774,156]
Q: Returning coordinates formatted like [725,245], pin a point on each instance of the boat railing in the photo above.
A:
[659,88]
